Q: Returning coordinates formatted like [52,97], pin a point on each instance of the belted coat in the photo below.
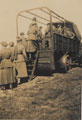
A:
[6,67]
[20,63]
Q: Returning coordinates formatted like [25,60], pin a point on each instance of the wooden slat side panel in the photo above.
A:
[63,43]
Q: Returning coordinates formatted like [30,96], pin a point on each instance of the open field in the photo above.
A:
[55,97]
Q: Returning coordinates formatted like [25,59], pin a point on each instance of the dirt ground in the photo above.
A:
[56,97]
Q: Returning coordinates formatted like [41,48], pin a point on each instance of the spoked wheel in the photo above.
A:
[67,65]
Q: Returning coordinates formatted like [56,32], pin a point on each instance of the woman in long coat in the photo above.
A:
[12,49]
[6,67]
[20,63]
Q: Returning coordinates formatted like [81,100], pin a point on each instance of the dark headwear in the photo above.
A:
[34,19]
[22,33]
[4,44]
[11,44]
[18,39]
[40,27]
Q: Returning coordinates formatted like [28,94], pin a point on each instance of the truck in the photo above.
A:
[58,51]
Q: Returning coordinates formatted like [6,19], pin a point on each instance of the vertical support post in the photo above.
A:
[55,42]
[17,25]
[51,31]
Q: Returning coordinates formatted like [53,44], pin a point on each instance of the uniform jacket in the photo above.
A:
[32,37]
[33,28]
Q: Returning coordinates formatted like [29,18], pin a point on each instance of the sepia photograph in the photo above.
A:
[40,59]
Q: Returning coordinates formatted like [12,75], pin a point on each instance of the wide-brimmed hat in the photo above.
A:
[34,19]
[22,33]
[4,44]
[11,44]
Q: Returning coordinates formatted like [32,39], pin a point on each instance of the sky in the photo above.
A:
[69,9]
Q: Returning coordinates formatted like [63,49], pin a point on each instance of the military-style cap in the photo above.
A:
[34,19]
[4,44]
[11,44]
[22,33]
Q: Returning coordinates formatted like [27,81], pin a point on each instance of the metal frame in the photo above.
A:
[51,13]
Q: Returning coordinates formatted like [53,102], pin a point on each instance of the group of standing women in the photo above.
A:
[6,65]
[12,64]
[13,58]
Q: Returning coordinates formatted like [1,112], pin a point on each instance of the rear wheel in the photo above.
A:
[67,65]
